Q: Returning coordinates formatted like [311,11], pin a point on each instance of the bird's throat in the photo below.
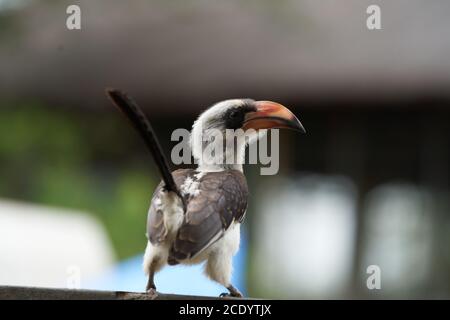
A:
[213,158]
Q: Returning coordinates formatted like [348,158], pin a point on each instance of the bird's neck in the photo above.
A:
[220,159]
[219,167]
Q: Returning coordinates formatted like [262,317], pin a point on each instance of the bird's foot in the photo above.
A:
[233,293]
[152,293]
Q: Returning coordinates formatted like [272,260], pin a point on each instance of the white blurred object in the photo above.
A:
[305,236]
[399,235]
[50,247]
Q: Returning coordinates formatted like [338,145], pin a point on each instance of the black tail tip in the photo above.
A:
[111,92]
[118,97]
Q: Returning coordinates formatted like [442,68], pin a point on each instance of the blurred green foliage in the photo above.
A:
[81,160]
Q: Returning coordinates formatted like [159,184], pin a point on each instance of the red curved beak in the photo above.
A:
[272,115]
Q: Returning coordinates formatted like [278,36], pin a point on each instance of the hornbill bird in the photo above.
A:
[195,214]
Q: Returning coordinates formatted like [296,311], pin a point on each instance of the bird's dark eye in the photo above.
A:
[234,114]
[234,118]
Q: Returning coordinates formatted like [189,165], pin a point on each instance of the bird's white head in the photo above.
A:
[220,134]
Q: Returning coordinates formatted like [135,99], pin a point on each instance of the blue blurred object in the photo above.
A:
[128,276]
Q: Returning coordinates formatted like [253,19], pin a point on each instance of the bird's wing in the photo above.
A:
[156,230]
[221,199]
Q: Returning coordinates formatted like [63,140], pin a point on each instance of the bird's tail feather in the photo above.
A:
[142,125]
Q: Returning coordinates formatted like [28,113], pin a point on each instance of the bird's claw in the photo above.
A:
[152,293]
[231,295]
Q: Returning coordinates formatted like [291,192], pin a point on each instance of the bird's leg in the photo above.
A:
[151,288]
[234,292]
[150,282]
[219,266]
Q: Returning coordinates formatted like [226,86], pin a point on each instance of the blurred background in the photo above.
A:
[367,185]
